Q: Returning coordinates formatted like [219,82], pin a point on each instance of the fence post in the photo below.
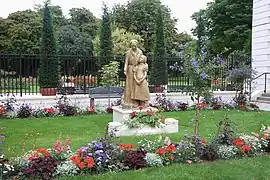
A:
[21,75]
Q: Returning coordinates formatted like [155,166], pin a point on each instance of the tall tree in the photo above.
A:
[106,46]
[49,70]
[200,30]
[139,17]
[159,74]
[229,24]
[121,41]
[83,19]
[21,32]
[73,42]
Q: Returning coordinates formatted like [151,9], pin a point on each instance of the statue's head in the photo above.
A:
[143,59]
[133,44]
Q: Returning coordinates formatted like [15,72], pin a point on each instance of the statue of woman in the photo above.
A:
[131,60]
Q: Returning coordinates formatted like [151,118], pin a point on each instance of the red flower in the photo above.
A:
[126,146]
[91,110]
[171,148]
[162,121]
[216,81]
[81,165]
[90,162]
[172,158]
[238,142]
[246,148]
[203,142]
[242,106]
[140,108]
[150,113]
[161,151]
[67,146]
[43,151]
[133,114]
[202,105]
[265,136]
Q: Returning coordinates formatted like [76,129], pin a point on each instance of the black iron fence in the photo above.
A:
[19,74]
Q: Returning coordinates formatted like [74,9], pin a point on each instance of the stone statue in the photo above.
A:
[141,89]
[131,60]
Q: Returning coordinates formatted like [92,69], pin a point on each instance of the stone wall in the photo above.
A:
[84,100]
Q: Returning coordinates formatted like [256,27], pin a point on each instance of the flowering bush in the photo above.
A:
[153,160]
[6,169]
[150,146]
[163,103]
[2,112]
[41,167]
[45,112]
[59,151]
[65,108]
[226,152]
[150,118]
[135,159]
[186,152]
[250,145]
[24,111]
[66,168]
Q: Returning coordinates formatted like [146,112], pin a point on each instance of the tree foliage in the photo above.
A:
[121,41]
[73,42]
[49,71]
[21,32]
[228,26]
[83,19]
[105,36]
[159,74]
[139,17]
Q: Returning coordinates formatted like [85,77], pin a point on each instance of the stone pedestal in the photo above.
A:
[120,114]
[120,129]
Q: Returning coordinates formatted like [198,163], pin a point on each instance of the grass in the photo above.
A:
[244,169]
[83,129]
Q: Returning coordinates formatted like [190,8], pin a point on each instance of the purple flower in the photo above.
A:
[83,149]
[98,146]
[89,154]
[98,152]
[90,145]
[219,60]
[99,159]
[204,76]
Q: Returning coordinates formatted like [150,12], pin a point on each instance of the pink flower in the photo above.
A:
[67,147]
[189,161]
[133,114]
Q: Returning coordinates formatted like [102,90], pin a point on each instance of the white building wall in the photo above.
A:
[261,42]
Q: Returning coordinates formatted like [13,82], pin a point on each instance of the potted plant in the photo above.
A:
[49,66]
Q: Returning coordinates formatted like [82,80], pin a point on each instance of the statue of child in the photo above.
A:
[141,89]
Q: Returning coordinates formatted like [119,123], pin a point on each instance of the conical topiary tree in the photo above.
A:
[106,46]
[159,74]
[49,66]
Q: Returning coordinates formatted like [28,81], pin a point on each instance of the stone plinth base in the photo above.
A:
[120,114]
[120,129]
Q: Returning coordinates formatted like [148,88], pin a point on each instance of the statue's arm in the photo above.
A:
[135,78]
[145,73]
[126,63]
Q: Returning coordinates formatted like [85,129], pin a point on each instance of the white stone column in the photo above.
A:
[261,43]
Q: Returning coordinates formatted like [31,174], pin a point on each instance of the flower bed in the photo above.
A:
[102,155]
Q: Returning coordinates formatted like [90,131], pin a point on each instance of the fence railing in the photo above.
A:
[19,73]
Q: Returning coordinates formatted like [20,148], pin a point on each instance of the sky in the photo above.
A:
[181,9]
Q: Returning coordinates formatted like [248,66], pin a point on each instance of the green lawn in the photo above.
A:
[83,129]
